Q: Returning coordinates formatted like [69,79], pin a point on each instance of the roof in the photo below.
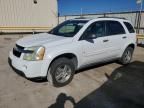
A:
[105,17]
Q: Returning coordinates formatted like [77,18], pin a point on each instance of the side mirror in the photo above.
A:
[88,36]
[92,36]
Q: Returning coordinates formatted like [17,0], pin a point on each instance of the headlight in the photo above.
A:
[35,53]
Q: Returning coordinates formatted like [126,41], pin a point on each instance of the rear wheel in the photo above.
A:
[61,72]
[127,56]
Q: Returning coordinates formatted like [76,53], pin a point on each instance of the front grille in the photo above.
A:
[17,50]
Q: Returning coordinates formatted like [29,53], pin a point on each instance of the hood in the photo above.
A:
[42,39]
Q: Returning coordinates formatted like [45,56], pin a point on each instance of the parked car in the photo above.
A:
[72,45]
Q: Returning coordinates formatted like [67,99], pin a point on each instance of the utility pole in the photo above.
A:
[140,13]
[141,6]
[81,12]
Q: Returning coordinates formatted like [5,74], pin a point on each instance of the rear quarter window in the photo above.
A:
[129,27]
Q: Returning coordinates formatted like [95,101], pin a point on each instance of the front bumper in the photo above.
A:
[29,69]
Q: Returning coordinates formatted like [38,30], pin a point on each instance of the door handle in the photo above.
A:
[124,37]
[105,40]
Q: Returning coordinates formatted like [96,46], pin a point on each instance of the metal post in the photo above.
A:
[58,17]
[65,17]
[104,14]
[81,12]
[141,7]
[33,31]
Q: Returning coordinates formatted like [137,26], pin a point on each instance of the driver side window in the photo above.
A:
[95,30]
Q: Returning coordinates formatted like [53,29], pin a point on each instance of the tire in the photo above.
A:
[61,72]
[127,56]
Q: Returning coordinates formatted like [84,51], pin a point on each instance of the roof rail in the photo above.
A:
[112,17]
[81,17]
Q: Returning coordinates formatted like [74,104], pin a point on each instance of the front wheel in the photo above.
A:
[61,72]
[127,56]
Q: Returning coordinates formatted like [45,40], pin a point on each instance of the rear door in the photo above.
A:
[131,32]
[116,36]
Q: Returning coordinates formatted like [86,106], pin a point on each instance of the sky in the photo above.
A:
[72,7]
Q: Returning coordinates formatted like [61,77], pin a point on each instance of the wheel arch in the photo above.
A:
[131,45]
[70,56]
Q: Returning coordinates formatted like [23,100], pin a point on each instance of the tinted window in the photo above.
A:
[96,29]
[129,27]
[114,28]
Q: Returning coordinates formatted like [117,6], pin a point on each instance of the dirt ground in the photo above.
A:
[109,85]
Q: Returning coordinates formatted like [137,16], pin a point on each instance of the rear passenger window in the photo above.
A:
[114,28]
[129,27]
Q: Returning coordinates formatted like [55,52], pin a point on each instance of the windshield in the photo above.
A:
[68,28]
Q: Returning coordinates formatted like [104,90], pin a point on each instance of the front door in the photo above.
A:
[94,43]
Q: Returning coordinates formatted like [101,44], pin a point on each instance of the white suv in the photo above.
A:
[72,45]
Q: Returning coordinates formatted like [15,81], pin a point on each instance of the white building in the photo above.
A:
[27,15]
